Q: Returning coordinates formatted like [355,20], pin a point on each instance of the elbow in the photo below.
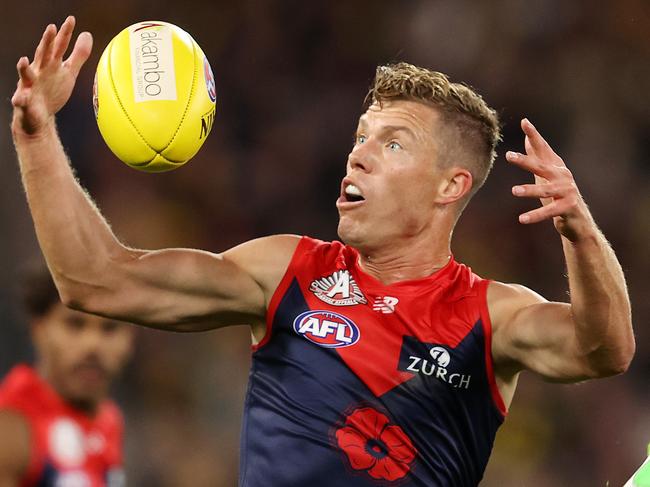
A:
[626,356]
[614,362]
[82,297]
[74,297]
[625,353]
[87,291]
[616,367]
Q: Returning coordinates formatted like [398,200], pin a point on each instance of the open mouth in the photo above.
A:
[352,193]
[90,371]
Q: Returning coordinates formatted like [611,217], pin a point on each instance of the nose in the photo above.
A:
[361,158]
[91,341]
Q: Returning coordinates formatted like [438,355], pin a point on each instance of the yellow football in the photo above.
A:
[154,96]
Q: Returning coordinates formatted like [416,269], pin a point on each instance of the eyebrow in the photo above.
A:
[389,129]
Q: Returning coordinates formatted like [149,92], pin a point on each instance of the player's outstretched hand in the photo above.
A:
[45,84]
[554,186]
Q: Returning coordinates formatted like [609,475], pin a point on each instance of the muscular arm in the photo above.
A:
[14,448]
[592,335]
[179,289]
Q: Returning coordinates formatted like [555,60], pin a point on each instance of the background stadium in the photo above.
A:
[290,79]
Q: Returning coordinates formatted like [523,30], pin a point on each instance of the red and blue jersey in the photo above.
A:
[68,447]
[362,384]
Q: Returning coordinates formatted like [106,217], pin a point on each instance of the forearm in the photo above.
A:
[593,336]
[600,305]
[74,237]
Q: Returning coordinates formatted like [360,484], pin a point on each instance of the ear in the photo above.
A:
[456,185]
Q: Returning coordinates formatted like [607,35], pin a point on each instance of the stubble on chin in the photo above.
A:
[353,235]
[345,232]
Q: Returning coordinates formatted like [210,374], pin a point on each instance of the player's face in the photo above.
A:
[388,194]
[80,354]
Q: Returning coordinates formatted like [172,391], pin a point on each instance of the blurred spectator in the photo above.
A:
[57,427]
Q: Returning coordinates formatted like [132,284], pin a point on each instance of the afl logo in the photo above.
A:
[209,80]
[326,329]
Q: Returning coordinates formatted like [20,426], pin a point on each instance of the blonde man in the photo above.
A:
[376,361]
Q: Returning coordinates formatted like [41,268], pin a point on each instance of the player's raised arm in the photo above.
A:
[177,288]
[590,337]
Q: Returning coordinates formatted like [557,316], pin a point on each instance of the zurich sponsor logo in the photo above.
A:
[326,329]
[435,361]
[440,355]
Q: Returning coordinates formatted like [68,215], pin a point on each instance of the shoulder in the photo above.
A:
[21,390]
[508,306]
[15,440]
[268,258]
[110,411]
[287,245]
[269,246]
[505,300]
[265,259]
[110,417]
[274,248]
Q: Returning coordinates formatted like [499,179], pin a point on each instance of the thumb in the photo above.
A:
[80,53]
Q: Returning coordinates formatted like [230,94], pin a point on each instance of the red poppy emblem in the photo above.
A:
[371,443]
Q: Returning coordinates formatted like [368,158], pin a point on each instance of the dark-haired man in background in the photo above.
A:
[57,427]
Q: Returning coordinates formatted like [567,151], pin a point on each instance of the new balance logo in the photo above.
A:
[338,289]
[385,304]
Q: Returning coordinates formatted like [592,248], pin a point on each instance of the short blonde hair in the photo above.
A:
[470,128]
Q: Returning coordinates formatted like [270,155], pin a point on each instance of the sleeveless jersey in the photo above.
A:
[360,384]
[68,447]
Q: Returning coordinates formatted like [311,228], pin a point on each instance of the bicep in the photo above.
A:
[14,448]
[534,334]
[189,290]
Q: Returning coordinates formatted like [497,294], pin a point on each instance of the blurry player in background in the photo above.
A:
[57,427]
[377,361]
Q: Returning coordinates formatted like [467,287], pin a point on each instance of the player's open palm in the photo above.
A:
[45,84]
[554,186]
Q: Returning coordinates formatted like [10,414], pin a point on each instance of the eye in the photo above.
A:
[110,326]
[394,146]
[360,139]
[75,323]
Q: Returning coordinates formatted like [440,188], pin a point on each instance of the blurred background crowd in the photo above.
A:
[291,77]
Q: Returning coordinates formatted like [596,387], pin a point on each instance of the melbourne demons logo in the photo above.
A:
[327,329]
[209,80]
[338,289]
[95,97]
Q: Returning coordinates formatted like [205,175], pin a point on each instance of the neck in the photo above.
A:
[85,405]
[413,258]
